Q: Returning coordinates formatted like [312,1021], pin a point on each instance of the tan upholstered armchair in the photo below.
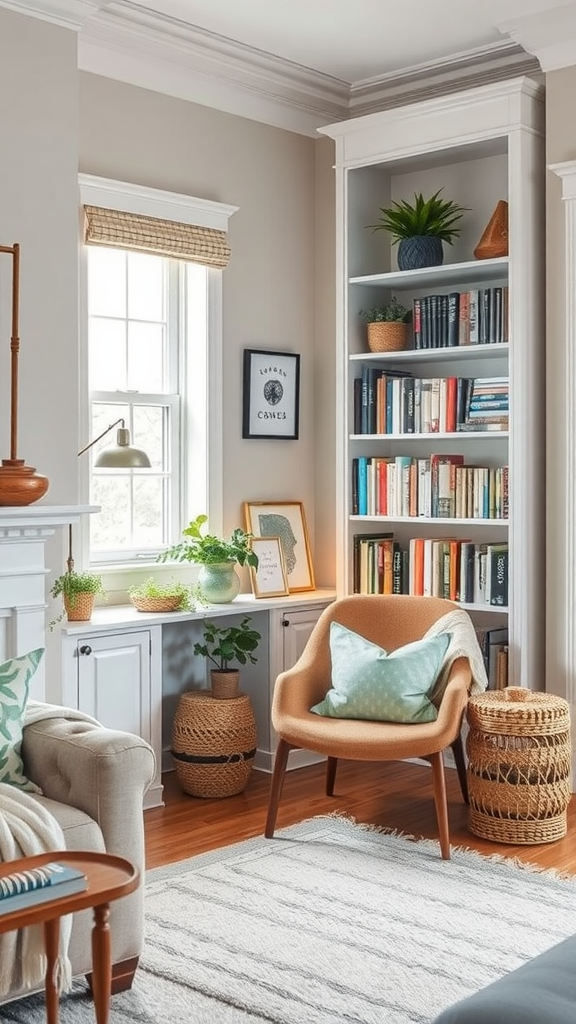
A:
[390,622]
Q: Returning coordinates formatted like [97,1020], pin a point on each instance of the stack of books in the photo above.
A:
[22,889]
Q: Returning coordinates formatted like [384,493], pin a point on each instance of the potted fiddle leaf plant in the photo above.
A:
[217,558]
[223,645]
[79,591]
[420,228]
[387,326]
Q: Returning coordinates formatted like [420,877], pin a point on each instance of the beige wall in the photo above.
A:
[38,185]
[269,287]
[55,122]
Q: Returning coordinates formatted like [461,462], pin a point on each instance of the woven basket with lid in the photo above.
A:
[519,765]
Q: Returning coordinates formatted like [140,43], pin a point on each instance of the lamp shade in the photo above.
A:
[122,455]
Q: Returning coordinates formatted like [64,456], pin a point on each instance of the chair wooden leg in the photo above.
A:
[437,762]
[331,766]
[276,785]
[458,751]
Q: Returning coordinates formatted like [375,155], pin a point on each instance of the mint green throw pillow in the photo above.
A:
[369,684]
[15,676]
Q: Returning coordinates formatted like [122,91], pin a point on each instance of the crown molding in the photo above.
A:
[459,72]
[121,40]
[134,45]
[66,13]
[550,35]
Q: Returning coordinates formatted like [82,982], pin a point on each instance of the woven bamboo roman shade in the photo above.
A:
[122,230]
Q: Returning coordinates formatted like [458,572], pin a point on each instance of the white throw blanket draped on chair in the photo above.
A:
[463,644]
[27,828]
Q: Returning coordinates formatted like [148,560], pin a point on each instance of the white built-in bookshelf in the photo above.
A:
[479,146]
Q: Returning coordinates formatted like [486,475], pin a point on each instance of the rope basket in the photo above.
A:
[213,744]
[519,765]
[387,336]
[79,607]
[157,604]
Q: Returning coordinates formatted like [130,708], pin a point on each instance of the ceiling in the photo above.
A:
[353,40]
[300,64]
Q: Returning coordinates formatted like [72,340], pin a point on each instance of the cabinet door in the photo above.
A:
[297,627]
[114,681]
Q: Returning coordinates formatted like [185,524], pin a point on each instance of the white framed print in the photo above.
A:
[269,579]
[270,407]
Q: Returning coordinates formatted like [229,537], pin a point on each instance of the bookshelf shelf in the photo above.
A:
[455,273]
[431,520]
[479,146]
[460,353]
[471,435]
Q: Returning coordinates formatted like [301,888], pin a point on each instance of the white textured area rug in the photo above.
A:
[329,923]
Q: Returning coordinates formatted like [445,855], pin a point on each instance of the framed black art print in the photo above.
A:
[271,395]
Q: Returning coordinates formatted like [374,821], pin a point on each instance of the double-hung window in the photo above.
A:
[151,313]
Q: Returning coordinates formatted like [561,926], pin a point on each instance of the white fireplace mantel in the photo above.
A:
[23,534]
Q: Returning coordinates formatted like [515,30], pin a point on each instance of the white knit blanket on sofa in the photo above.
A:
[27,828]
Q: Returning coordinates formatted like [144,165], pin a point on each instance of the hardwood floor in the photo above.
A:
[396,795]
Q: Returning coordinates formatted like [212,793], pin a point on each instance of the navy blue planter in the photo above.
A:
[420,251]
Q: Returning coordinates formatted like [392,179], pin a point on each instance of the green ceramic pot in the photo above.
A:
[219,583]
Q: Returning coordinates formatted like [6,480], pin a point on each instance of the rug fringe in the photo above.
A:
[496,858]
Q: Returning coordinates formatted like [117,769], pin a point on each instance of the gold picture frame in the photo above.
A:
[269,579]
[286,520]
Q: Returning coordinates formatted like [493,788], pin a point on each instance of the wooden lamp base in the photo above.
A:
[20,484]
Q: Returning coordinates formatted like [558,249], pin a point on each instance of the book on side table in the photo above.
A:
[22,889]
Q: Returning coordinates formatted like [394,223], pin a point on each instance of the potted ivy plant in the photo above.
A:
[78,590]
[387,326]
[420,228]
[217,558]
[222,645]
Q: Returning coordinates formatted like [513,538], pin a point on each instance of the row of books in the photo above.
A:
[475,317]
[493,643]
[438,486]
[392,402]
[455,569]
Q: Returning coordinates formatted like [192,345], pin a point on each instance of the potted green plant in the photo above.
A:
[153,596]
[78,590]
[217,558]
[387,326]
[225,644]
[420,228]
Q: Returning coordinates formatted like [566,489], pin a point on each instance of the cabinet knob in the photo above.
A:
[285,621]
[85,649]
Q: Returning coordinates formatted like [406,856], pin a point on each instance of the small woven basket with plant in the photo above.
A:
[387,326]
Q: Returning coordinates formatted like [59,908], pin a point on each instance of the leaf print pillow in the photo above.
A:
[15,676]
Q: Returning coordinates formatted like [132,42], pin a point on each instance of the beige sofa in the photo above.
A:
[93,780]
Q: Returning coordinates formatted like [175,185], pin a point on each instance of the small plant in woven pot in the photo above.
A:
[420,228]
[387,326]
[152,596]
[223,645]
[78,590]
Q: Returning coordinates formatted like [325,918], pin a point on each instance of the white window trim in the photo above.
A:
[151,202]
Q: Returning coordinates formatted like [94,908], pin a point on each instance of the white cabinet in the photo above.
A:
[120,667]
[110,676]
[478,147]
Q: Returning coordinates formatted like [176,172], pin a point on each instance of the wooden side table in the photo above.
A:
[109,878]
